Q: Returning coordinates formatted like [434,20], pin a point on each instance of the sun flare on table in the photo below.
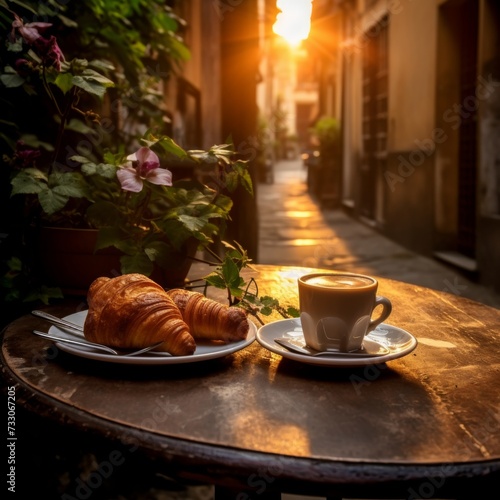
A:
[293,23]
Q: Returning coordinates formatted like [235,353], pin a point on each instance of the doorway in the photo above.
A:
[457,114]
[374,120]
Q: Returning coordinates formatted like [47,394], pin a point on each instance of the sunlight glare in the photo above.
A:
[294,21]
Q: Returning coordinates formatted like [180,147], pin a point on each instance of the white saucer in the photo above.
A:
[203,352]
[399,342]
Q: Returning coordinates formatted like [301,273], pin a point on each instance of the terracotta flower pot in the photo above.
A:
[69,260]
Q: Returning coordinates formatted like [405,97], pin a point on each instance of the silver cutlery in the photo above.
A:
[309,351]
[58,321]
[93,345]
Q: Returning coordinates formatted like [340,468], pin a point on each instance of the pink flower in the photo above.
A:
[31,31]
[26,155]
[23,67]
[49,51]
[46,49]
[147,168]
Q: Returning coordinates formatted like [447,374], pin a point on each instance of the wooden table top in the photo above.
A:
[434,413]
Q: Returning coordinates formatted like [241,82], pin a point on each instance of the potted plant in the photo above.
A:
[326,185]
[154,225]
[65,169]
[126,201]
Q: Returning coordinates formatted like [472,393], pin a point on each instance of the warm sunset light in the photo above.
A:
[294,21]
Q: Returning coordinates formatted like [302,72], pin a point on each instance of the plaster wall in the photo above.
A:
[412,73]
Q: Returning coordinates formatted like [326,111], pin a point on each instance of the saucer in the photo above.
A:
[398,341]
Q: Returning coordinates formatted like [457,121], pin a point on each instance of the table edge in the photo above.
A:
[214,463]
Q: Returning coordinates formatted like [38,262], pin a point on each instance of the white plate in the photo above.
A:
[398,341]
[203,352]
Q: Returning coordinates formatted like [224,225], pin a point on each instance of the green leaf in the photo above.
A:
[203,156]
[231,273]
[94,76]
[237,291]
[83,160]
[175,231]
[165,19]
[231,181]
[34,142]
[114,159]
[158,251]
[69,184]
[103,169]
[223,149]
[194,224]
[179,49]
[51,201]
[108,237]
[12,80]
[67,21]
[54,192]
[266,311]
[246,181]
[101,64]
[89,85]
[215,280]
[239,174]
[16,46]
[78,65]
[64,81]
[170,146]
[138,263]
[44,294]
[78,126]
[20,3]
[15,264]
[269,301]
[152,254]
[29,181]
[103,214]
[224,202]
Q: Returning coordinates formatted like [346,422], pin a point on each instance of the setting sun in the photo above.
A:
[294,21]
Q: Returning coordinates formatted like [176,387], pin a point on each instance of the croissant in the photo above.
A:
[132,311]
[208,319]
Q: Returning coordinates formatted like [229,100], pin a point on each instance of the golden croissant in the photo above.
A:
[131,312]
[208,319]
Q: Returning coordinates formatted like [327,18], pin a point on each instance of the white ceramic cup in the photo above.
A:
[336,309]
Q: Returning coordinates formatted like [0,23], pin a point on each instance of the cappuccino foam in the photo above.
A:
[339,281]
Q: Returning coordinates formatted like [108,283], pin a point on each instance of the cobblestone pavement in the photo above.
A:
[295,231]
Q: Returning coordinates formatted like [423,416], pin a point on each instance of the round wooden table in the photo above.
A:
[426,425]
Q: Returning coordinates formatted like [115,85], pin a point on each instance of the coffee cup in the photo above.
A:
[336,309]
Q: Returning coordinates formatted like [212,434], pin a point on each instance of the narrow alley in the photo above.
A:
[293,230]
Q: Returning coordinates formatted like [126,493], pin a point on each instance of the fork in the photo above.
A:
[58,321]
[77,329]
[93,345]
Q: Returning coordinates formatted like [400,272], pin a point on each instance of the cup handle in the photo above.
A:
[386,310]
